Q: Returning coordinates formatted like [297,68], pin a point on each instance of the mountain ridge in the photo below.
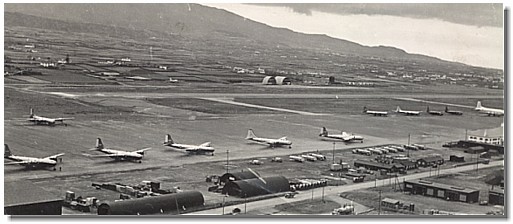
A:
[190,21]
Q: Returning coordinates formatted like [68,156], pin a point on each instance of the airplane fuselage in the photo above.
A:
[490,111]
[31,162]
[122,155]
[272,142]
[410,113]
[377,113]
[193,149]
[344,137]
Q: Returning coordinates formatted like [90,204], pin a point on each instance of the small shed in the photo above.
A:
[456,158]
[496,196]
[390,203]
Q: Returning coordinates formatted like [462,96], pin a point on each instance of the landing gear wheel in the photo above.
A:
[54,169]
[290,147]
[140,161]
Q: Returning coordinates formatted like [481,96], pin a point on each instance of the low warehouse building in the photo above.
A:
[276,80]
[443,191]
[243,175]
[430,161]
[378,166]
[254,187]
[24,198]
[169,203]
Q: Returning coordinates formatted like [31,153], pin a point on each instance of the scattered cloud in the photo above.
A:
[476,14]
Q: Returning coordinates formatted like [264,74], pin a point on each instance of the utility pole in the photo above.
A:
[466,134]
[477,163]
[227,159]
[312,193]
[323,193]
[333,152]
[408,144]
[224,199]
[379,203]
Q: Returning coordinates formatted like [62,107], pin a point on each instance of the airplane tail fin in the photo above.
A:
[168,140]
[479,104]
[251,134]
[446,109]
[7,151]
[31,113]
[398,109]
[99,143]
[364,109]
[324,132]
[427,109]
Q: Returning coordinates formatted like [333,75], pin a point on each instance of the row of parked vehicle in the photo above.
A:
[299,158]
[379,150]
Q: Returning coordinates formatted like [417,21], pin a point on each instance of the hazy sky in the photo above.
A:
[474,37]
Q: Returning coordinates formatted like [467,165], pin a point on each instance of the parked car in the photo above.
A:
[276,159]
[256,162]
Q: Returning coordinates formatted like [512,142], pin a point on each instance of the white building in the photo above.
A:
[494,136]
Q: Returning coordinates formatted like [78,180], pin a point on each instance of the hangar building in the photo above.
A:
[23,197]
[276,80]
[168,203]
[243,175]
[255,186]
[443,191]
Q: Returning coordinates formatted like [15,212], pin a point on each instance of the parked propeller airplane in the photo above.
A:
[407,112]
[272,142]
[45,120]
[453,112]
[191,149]
[344,136]
[432,112]
[375,113]
[31,162]
[489,111]
[118,155]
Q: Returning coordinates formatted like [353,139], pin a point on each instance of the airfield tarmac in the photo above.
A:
[129,121]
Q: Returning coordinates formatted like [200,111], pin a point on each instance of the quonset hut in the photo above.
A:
[276,80]
[243,175]
[255,186]
[169,203]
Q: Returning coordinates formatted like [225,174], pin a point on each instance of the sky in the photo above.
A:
[467,33]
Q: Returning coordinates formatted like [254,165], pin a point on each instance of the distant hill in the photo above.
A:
[185,20]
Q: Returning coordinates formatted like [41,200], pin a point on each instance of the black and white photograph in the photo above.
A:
[325,110]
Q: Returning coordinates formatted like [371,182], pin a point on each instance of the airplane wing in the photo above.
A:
[64,118]
[18,163]
[141,150]
[284,138]
[54,156]
[105,155]
[206,144]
